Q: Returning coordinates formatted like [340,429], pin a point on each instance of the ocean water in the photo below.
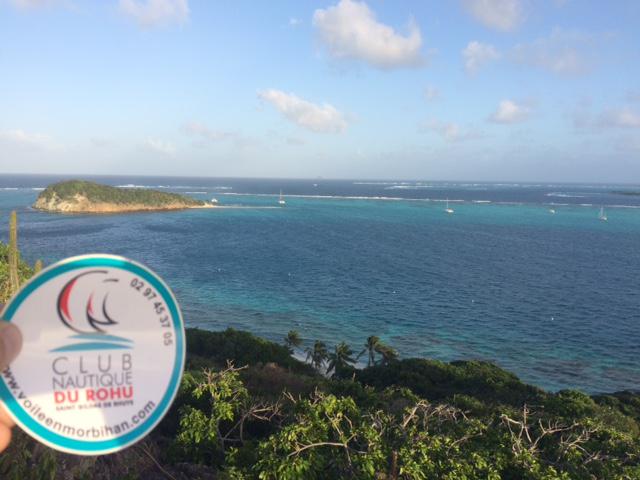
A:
[555,298]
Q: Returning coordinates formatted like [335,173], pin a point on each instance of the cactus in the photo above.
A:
[37,267]
[14,279]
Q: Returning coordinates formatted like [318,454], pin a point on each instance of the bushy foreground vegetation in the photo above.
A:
[98,193]
[13,270]
[269,416]
[247,409]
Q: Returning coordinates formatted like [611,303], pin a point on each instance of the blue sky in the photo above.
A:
[462,90]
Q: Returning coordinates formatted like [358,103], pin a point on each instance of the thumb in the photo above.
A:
[10,343]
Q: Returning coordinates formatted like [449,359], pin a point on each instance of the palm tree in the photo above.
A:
[371,347]
[317,354]
[292,340]
[374,346]
[387,353]
[341,358]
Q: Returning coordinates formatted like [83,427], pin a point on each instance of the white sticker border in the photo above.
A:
[84,447]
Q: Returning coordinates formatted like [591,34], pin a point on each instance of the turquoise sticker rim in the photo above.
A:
[84,447]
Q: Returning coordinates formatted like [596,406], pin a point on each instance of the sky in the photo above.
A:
[486,90]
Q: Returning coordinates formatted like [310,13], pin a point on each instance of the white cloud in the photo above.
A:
[561,52]
[476,55]
[156,13]
[510,112]
[294,22]
[431,93]
[21,138]
[323,118]
[623,118]
[160,146]
[502,15]
[196,128]
[451,131]
[211,135]
[26,4]
[33,4]
[350,30]
[611,117]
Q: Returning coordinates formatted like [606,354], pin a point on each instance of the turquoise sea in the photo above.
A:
[555,298]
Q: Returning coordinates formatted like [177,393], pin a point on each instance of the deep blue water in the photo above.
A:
[553,298]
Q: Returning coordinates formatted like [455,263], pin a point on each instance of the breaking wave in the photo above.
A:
[563,195]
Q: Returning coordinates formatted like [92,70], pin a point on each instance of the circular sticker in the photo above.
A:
[102,357]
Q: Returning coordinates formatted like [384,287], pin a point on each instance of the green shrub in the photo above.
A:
[242,348]
[24,273]
[435,380]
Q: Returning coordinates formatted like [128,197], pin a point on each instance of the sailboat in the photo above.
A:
[602,216]
[552,211]
[448,210]
[281,199]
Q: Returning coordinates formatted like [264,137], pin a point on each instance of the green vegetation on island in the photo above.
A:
[248,409]
[79,196]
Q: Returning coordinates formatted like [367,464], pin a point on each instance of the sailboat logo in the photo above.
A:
[88,315]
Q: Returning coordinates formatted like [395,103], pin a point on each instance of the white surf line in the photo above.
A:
[247,207]
[428,200]
[344,197]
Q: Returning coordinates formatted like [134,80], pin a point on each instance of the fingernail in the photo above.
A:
[10,343]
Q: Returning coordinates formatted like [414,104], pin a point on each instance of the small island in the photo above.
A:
[79,196]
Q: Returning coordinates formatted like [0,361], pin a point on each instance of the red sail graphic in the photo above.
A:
[93,320]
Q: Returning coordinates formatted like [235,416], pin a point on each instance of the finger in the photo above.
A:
[10,343]
[5,436]
[5,419]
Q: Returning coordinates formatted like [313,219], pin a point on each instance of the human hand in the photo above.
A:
[10,346]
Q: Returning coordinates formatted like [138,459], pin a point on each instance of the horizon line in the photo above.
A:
[337,179]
